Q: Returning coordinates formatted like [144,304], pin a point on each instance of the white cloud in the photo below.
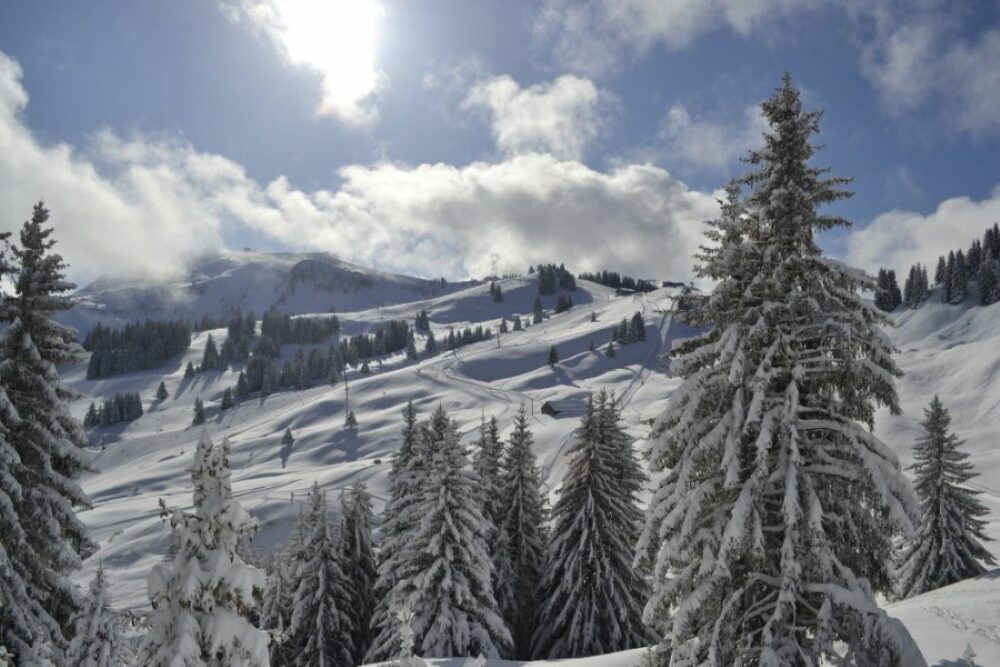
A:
[143,205]
[596,36]
[707,144]
[336,39]
[898,239]
[560,117]
[924,62]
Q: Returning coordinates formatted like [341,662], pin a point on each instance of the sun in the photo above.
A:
[338,38]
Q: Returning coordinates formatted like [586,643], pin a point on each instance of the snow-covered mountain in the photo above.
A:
[950,350]
[221,282]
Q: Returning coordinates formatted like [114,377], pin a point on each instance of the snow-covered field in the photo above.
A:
[950,350]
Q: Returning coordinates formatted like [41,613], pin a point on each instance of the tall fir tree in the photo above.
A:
[204,596]
[276,609]
[96,641]
[773,525]
[524,522]
[319,633]
[592,598]
[41,450]
[357,556]
[948,545]
[450,584]
[399,524]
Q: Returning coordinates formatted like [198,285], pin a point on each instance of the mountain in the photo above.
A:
[219,283]
[950,350]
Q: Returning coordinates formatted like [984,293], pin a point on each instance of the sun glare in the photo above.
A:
[337,38]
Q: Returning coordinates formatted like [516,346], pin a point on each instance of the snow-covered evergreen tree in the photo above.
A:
[199,413]
[553,356]
[319,634]
[448,578]
[773,527]
[399,525]
[430,345]
[203,597]
[276,609]
[287,439]
[189,371]
[948,545]
[96,641]
[609,351]
[592,598]
[350,422]
[161,392]
[227,401]
[525,514]
[357,556]
[41,451]
[517,323]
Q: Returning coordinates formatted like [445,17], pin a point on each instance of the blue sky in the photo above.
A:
[592,132]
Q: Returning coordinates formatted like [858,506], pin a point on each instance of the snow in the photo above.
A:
[944,349]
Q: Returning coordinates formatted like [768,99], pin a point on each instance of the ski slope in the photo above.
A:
[951,350]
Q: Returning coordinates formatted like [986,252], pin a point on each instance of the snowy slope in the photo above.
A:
[220,282]
[148,459]
[951,350]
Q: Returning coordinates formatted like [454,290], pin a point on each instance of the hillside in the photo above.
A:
[218,283]
[951,350]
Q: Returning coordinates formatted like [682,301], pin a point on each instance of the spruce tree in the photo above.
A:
[553,356]
[399,524]
[958,285]
[430,345]
[773,525]
[350,422]
[41,451]
[276,609]
[287,439]
[210,360]
[948,545]
[161,392]
[227,401]
[96,641]
[189,371]
[524,523]
[199,413]
[320,628]
[92,418]
[204,596]
[539,314]
[357,557]
[517,323]
[592,598]
[447,581]
[610,350]
[941,272]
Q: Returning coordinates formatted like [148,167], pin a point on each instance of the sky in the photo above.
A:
[423,136]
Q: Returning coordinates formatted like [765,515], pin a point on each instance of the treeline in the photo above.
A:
[954,272]
[134,347]
[118,408]
[551,277]
[467,336]
[629,330]
[284,329]
[618,281]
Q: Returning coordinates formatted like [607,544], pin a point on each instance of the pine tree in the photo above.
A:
[497,294]
[161,392]
[242,391]
[517,323]
[41,451]
[96,641]
[524,523]
[411,347]
[958,281]
[553,356]
[941,272]
[199,413]
[92,418]
[350,422]
[189,371]
[357,557]
[203,597]
[610,351]
[773,525]
[987,279]
[287,439]
[948,545]
[227,401]
[592,598]
[399,525]
[430,345]
[276,609]
[538,313]
[210,360]
[503,325]
[320,629]
[447,577]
